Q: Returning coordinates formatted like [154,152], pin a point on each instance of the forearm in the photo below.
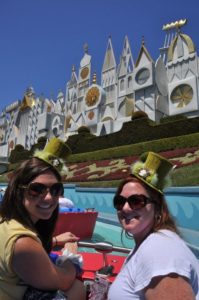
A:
[66,275]
[32,264]
[169,287]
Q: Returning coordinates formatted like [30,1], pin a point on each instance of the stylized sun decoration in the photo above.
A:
[182,95]
[92,96]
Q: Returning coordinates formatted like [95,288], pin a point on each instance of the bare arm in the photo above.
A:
[32,265]
[169,287]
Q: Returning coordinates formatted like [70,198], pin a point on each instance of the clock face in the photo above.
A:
[92,96]
[142,76]
[182,95]
[84,72]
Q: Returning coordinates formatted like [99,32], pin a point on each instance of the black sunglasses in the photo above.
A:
[36,189]
[134,201]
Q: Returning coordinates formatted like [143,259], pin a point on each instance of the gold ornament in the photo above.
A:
[84,72]
[91,115]
[92,96]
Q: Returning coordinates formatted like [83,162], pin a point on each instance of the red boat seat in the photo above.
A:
[92,262]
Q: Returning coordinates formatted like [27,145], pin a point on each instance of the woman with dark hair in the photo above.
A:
[160,266]
[28,214]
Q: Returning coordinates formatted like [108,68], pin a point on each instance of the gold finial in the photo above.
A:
[94,77]
[176,24]
[86,48]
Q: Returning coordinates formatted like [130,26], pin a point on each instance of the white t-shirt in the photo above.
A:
[159,254]
[65,202]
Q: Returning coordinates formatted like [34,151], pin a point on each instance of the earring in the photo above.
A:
[158,218]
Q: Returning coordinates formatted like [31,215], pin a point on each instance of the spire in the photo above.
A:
[94,78]
[126,60]
[143,41]
[143,54]
[109,60]
[73,68]
[85,48]
[73,80]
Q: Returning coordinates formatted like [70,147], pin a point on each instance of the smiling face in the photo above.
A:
[138,222]
[41,207]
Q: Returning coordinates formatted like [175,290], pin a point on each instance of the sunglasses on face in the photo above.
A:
[134,201]
[36,189]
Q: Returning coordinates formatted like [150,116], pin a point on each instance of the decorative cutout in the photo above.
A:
[142,76]
[182,95]
[91,115]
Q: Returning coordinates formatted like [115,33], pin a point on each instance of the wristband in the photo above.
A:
[53,257]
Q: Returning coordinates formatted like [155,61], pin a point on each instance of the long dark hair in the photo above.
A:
[162,216]
[12,206]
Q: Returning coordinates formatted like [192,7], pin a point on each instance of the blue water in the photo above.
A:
[111,233]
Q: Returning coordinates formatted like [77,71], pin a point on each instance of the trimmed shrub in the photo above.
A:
[83,129]
[139,115]
[19,154]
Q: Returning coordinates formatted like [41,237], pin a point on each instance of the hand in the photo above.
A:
[71,247]
[61,239]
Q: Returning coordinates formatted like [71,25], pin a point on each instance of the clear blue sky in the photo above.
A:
[40,40]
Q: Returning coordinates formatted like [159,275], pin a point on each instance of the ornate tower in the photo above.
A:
[125,83]
[144,83]
[182,72]
[109,78]
[94,101]
[83,78]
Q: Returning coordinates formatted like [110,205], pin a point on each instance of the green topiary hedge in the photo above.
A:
[133,132]
[165,144]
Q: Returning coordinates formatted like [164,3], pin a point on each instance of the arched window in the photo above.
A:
[129,81]
[122,85]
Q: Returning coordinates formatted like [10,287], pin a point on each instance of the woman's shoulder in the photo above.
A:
[13,228]
[13,224]
[163,244]
[162,237]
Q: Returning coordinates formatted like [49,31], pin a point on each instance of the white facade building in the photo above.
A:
[165,87]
